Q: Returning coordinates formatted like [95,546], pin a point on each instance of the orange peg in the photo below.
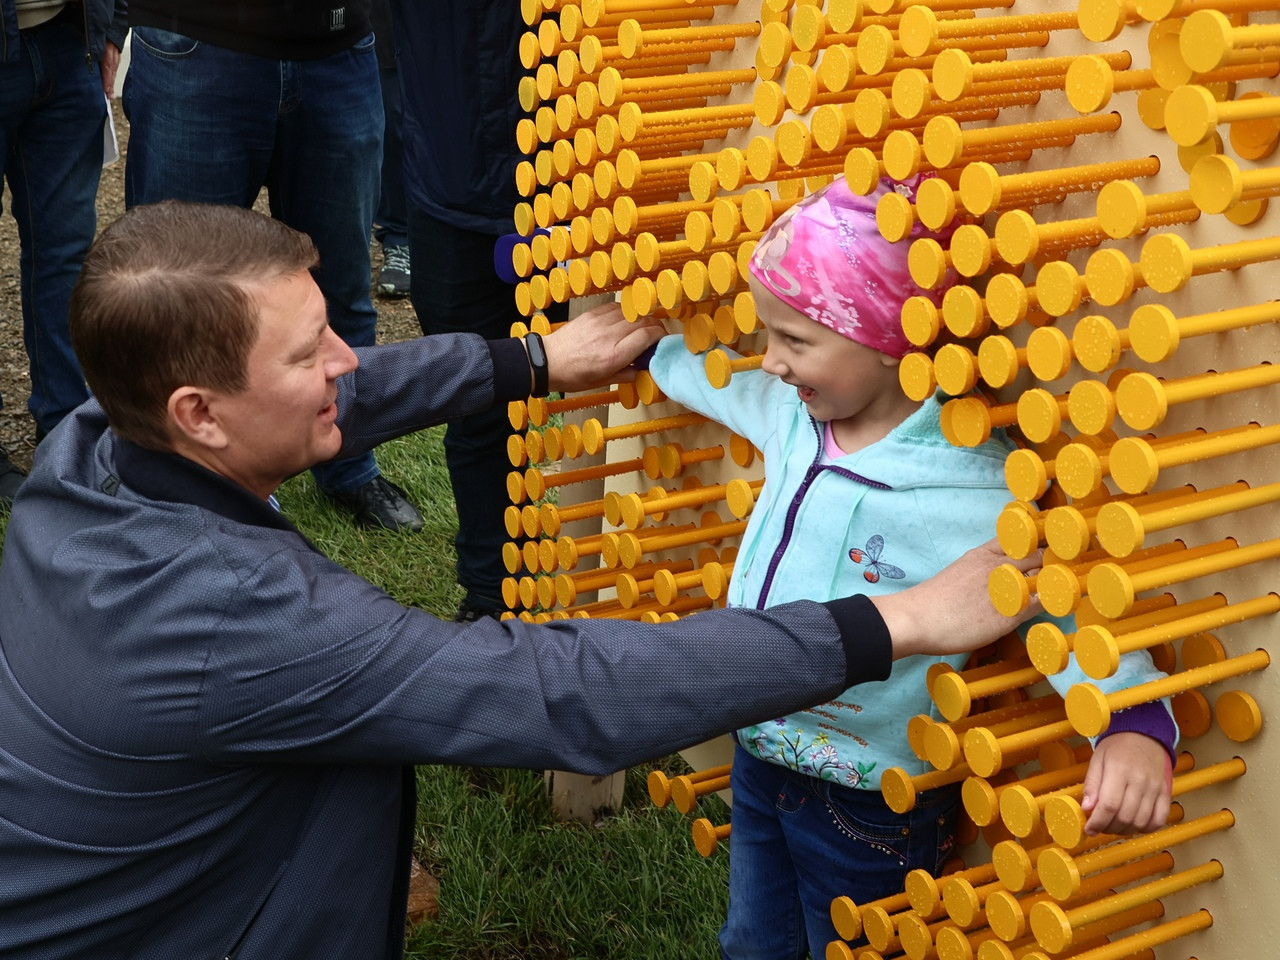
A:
[983,189]
[659,785]
[846,916]
[1089,709]
[1061,872]
[1122,526]
[685,790]
[1136,463]
[945,144]
[1143,401]
[1169,263]
[955,74]
[707,836]
[921,30]
[1208,38]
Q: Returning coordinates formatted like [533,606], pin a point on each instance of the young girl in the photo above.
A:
[862,494]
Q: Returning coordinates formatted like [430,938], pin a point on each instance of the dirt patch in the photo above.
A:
[396,319]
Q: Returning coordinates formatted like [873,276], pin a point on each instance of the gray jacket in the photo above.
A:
[208,723]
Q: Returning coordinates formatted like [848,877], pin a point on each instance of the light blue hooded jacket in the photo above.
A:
[875,521]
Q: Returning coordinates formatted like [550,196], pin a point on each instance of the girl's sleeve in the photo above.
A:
[747,405]
[1155,719]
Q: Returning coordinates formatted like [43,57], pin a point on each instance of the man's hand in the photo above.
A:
[1128,786]
[951,612]
[110,64]
[597,348]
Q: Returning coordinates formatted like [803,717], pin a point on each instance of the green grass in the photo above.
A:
[515,883]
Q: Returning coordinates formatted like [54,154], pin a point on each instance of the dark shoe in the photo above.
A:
[393,279]
[472,609]
[10,479]
[380,503]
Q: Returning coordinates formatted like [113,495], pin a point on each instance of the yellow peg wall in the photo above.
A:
[1112,163]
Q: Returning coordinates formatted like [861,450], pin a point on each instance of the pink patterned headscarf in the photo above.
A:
[825,257]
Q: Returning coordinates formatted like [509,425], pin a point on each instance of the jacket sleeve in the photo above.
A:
[403,387]
[118,28]
[317,665]
[747,405]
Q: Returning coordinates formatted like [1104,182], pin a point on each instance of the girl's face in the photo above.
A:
[837,379]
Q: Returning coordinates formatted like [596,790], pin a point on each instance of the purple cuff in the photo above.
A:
[1150,719]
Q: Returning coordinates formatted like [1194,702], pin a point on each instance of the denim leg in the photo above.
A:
[391,222]
[51,115]
[799,842]
[323,181]
[454,288]
[764,921]
[202,121]
[212,125]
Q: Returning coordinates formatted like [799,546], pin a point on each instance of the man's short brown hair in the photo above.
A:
[164,301]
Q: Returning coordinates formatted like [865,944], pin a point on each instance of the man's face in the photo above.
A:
[283,422]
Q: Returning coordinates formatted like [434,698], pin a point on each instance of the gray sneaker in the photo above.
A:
[393,279]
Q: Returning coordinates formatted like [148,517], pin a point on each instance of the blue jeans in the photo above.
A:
[799,842]
[211,125]
[51,114]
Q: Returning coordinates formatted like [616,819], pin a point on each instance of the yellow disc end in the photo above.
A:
[980,803]
[962,903]
[943,141]
[956,369]
[740,498]
[1013,866]
[922,890]
[1091,407]
[1017,237]
[1087,710]
[895,216]
[871,112]
[1097,651]
[901,155]
[921,321]
[1058,588]
[1239,716]
[899,792]
[1005,916]
[966,422]
[911,92]
[846,918]
[1205,40]
[970,250]
[1019,811]
[1141,401]
[1039,415]
[1096,343]
[1166,262]
[1059,288]
[1058,873]
[1050,926]
[1065,821]
[1066,532]
[1025,474]
[878,927]
[982,751]
[1049,353]
[1111,590]
[941,746]
[979,184]
[1100,21]
[1120,529]
[916,377]
[998,365]
[1048,648]
[927,263]
[1110,276]
[1079,471]
[1017,534]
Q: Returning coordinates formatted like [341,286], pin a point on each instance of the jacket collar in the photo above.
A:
[160,475]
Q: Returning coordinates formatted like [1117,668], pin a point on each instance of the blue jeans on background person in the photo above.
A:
[212,125]
[52,111]
[799,842]
[391,222]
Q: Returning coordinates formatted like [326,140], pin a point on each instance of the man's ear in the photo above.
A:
[193,419]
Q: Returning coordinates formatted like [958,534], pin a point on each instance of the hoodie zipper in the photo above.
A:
[793,509]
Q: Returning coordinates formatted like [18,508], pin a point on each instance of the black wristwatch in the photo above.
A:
[537,364]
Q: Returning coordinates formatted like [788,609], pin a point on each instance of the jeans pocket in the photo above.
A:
[863,815]
[164,44]
[364,43]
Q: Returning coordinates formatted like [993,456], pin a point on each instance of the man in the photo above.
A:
[56,61]
[227,98]
[207,723]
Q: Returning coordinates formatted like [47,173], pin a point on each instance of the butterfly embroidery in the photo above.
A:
[876,568]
